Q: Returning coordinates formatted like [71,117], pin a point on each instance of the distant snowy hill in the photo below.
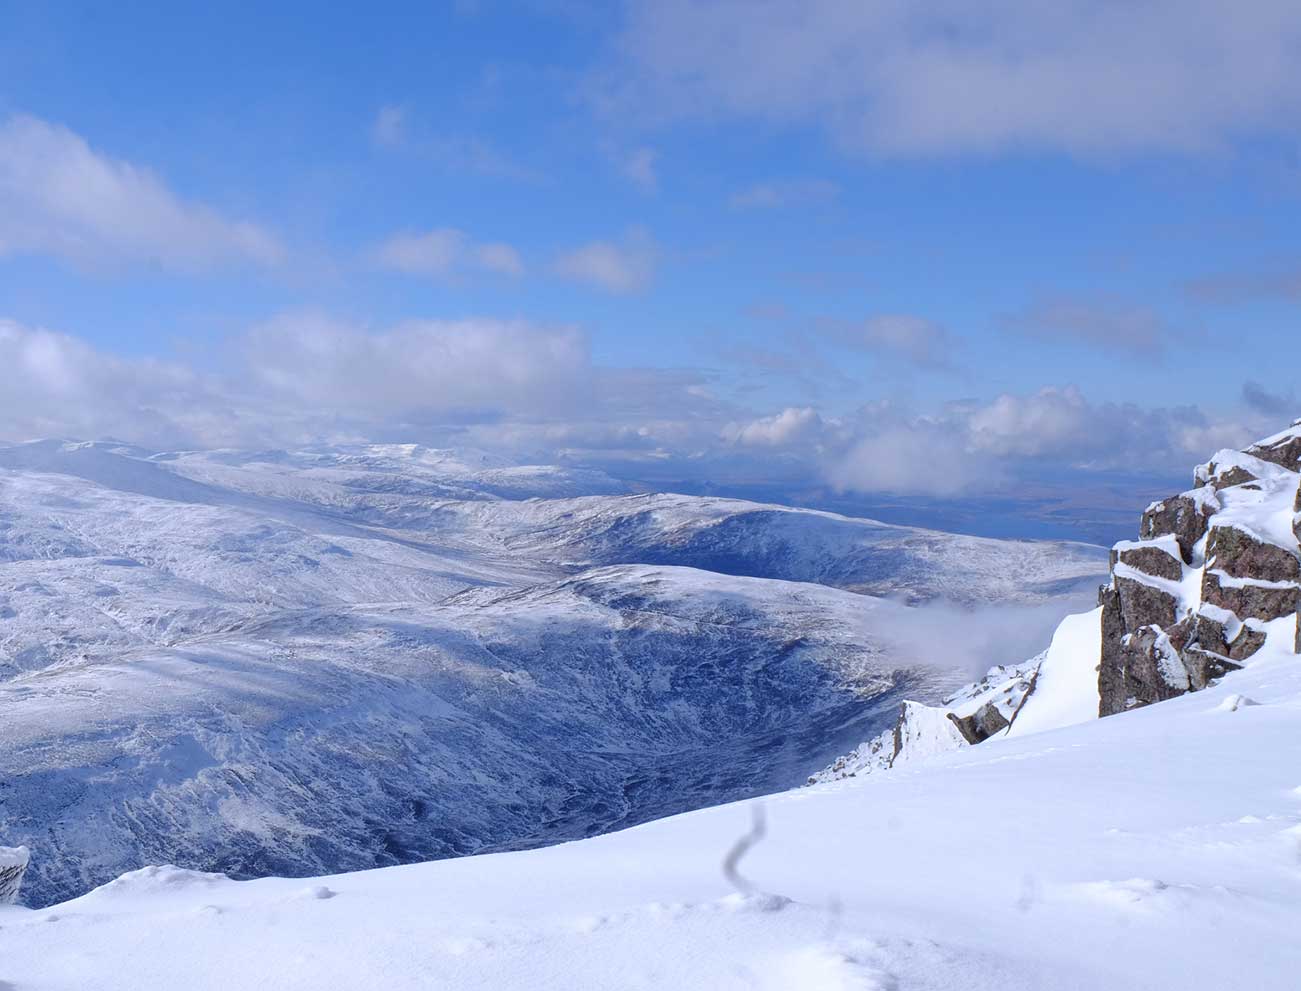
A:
[303,662]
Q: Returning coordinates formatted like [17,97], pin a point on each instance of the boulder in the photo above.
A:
[981,724]
[1249,640]
[1283,449]
[1240,555]
[1151,559]
[1154,671]
[1144,605]
[1227,477]
[1247,598]
[1204,666]
[1185,516]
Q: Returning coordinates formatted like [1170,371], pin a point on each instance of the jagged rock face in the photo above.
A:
[1160,637]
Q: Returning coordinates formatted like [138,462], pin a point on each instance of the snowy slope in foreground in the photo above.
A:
[1157,849]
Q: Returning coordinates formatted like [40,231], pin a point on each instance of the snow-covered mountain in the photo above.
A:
[296,663]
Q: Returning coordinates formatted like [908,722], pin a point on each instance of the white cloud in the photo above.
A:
[791,426]
[625,266]
[305,377]
[445,252]
[418,369]
[791,192]
[59,196]
[950,76]
[534,391]
[915,457]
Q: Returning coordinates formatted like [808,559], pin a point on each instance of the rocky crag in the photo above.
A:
[1214,576]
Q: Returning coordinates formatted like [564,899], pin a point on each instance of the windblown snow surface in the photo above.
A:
[1158,849]
[298,663]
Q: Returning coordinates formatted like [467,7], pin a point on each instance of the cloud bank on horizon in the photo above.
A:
[892,248]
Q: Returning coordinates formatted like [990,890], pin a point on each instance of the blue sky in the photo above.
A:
[1013,237]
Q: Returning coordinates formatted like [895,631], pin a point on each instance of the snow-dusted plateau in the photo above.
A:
[303,664]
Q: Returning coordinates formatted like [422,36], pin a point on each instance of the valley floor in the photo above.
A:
[1157,849]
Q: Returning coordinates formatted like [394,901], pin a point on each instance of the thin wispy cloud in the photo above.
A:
[787,193]
[389,129]
[1280,283]
[623,266]
[445,253]
[907,337]
[899,78]
[1112,325]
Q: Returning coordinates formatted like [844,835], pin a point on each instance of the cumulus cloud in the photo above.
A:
[1114,325]
[974,447]
[792,425]
[61,197]
[791,192]
[535,392]
[899,78]
[921,456]
[306,377]
[59,386]
[623,266]
[446,252]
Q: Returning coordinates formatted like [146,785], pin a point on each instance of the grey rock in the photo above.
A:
[1144,605]
[1246,643]
[1237,553]
[982,724]
[1204,666]
[1249,601]
[1286,452]
[1151,560]
[1111,667]
[1180,515]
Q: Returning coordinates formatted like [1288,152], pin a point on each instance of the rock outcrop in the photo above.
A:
[1169,629]
[1214,576]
